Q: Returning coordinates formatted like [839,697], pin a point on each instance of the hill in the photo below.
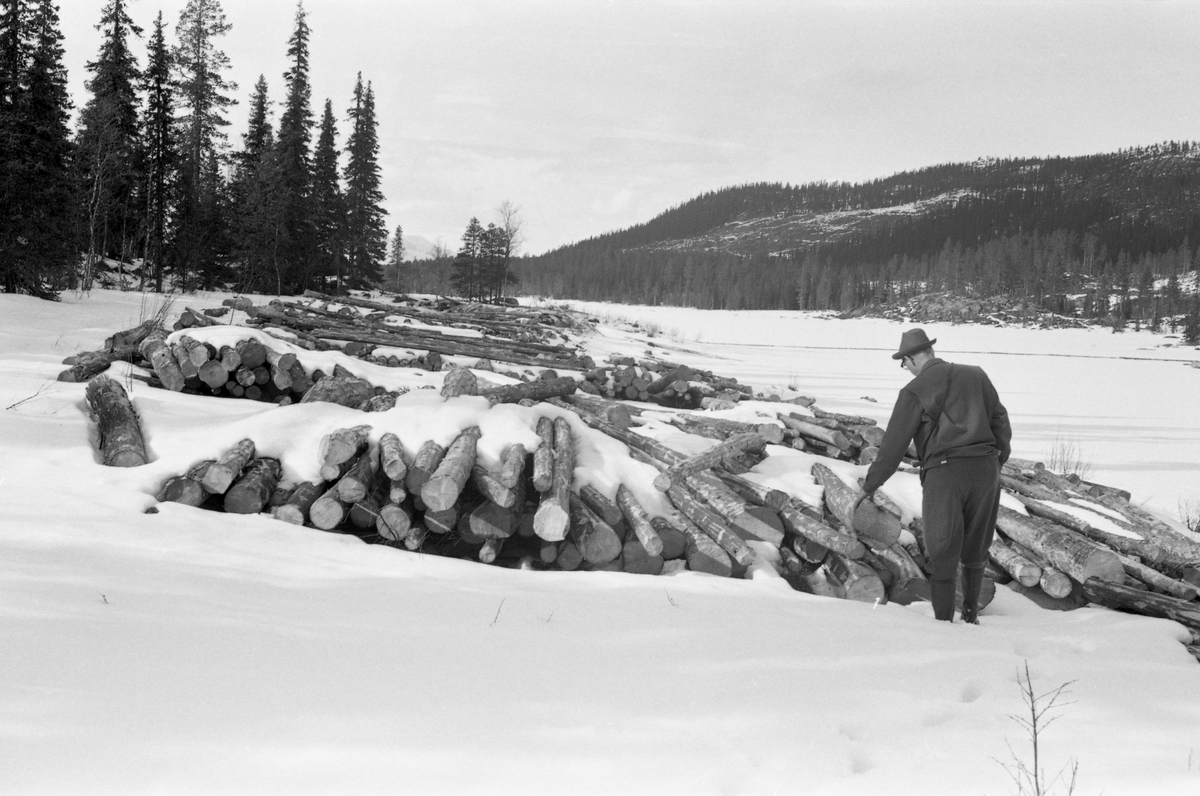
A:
[1070,233]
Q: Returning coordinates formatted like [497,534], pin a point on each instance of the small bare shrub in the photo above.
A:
[1189,513]
[1044,709]
[1066,457]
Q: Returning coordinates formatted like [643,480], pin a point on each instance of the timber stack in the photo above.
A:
[1066,539]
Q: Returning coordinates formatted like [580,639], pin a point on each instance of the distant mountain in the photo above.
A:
[418,248]
[1046,228]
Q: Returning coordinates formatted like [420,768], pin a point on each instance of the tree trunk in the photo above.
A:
[186,489]
[339,447]
[252,491]
[459,381]
[703,553]
[692,508]
[708,459]
[801,524]
[1073,554]
[635,558]
[424,465]
[328,511]
[512,466]
[295,510]
[812,431]
[391,458]
[1138,546]
[442,489]
[674,540]
[853,579]
[596,540]
[639,521]
[226,469]
[394,521]
[121,443]
[155,349]
[881,528]
[1156,580]
[91,363]
[359,480]
[600,504]
[543,456]
[1024,571]
[538,390]
[1119,596]
[343,390]
[553,516]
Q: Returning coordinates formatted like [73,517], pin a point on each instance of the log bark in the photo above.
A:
[801,524]
[600,504]
[853,579]
[512,466]
[1140,546]
[252,491]
[391,459]
[186,489]
[1024,571]
[708,459]
[553,516]
[1121,597]
[1156,580]
[491,521]
[364,514]
[121,443]
[636,560]
[459,381]
[155,349]
[543,456]
[339,447]
[252,352]
[1180,554]
[92,363]
[569,557]
[1067,551]
[771,433]
[424,465]
[754,492]
[880,528]
[703,554]
[394,521]
[444,486]
[227,468]
[596,540]
[359,479]
[618,414]
[813,431]
[909,583]
[488,484]
[751,523]
[295,510]
[696,511]
[328,511]
[538,390]
[343,390]
[674,540]
[639,521]
[441,522]
[132,337]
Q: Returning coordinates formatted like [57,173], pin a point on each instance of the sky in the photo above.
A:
[593,115]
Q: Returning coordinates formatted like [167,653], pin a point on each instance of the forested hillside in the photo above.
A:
[1085,233]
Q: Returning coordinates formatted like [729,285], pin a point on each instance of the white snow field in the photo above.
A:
[192,652]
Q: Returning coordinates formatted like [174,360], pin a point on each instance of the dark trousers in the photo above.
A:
[959,501]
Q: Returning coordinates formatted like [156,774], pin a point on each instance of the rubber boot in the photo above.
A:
[972,582]
[941,593]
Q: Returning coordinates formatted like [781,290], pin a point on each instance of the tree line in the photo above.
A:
[148,174]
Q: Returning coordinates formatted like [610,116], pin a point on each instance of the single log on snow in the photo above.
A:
[295,510]
[708,459]
[252,491]
[444,486]
[639,521]
[186,489]
[227,468]
[1073,554]
[880,528]
[121,443]
[553,516]
[728,429]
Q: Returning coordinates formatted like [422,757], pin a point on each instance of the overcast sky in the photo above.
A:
[592,115]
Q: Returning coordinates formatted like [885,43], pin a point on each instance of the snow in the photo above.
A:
[194,652]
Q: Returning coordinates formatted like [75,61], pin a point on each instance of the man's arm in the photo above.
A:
[1001,429]
[906,419]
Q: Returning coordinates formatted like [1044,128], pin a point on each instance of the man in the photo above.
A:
[961,432]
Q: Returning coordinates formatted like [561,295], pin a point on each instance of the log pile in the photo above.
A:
[1075,541]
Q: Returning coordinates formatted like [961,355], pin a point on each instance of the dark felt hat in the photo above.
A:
[911,342]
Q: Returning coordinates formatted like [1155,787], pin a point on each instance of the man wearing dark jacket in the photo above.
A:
[960,430]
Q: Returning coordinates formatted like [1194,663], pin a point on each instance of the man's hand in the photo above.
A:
[864,497]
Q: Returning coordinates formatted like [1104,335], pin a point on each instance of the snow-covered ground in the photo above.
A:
[194,652]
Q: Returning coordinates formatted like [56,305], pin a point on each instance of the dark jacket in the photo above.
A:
[948,412]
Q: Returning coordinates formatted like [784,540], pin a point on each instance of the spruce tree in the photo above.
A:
[466,275]
[329,205]
[160,153]
[109,146]
[366,236]
[37,244]
[256,225]
[203,99]
[396,257]
[294,164]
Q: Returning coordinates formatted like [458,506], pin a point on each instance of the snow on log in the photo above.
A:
[121,443]
[459,381]
[543,455]
[340,446]
[343,390]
